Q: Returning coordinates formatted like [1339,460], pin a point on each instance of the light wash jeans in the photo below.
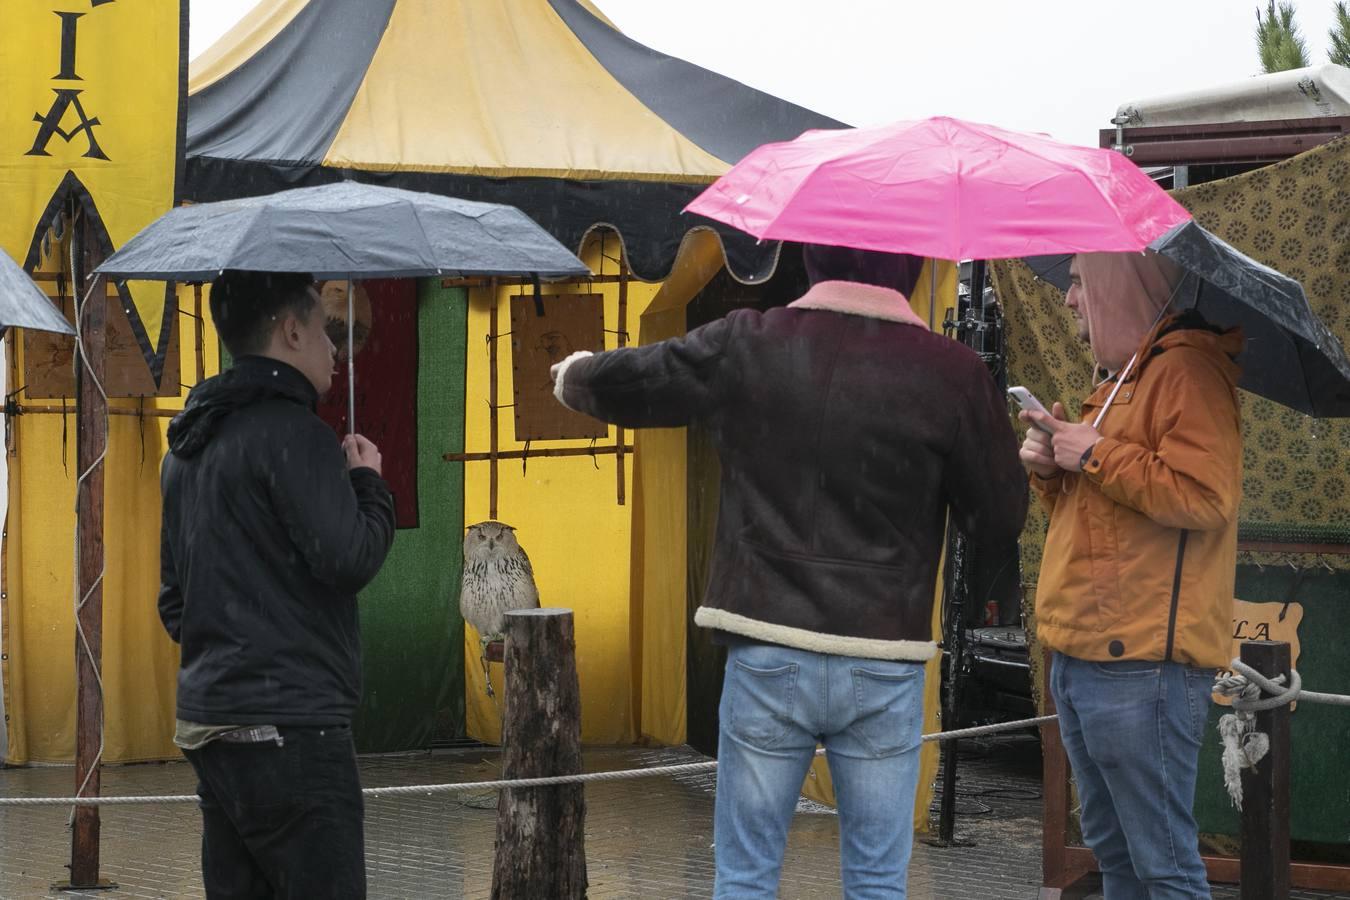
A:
[1132,732]
[777,703]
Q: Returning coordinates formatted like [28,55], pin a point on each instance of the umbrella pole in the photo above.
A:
[351,356]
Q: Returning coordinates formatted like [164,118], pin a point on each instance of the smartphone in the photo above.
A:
[1027,400]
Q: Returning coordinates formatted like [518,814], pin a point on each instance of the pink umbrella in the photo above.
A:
[942,188]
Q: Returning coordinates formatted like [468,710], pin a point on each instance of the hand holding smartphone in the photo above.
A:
[1027,400]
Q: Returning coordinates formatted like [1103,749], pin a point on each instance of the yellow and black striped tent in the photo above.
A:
[541,104]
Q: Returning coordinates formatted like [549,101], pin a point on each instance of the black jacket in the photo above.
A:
[266,540]
[845,431]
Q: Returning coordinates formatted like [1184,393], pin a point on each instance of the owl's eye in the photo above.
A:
[482,537]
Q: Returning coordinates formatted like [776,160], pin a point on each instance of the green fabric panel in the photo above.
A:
[411,630]
[1319,779]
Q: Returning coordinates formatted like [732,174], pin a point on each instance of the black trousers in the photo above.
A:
[283,822]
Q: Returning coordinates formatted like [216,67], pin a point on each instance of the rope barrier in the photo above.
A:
[1243,745]
[484,786]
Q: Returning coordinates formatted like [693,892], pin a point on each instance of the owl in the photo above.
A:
[497,579]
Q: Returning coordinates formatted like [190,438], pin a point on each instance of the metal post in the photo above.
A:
[1265,791]
[957,590]
[954,641]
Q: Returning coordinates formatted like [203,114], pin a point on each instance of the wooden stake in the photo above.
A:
[1265,790]
[92,428]
[541,831]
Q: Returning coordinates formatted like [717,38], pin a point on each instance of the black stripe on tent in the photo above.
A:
[722,116]
[301,83]
[645,213]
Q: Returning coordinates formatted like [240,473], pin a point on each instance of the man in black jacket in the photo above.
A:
[270,528]
[846,432]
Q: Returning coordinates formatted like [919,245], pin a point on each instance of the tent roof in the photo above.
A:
[541,104]
[1313,92]
[507,88]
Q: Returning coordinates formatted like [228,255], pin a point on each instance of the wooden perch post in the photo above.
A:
[1265,790]
[540,847]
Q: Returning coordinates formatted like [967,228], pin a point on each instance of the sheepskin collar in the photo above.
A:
[854,299]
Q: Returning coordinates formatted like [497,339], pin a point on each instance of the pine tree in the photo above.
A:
[1339,52]
[1278,40]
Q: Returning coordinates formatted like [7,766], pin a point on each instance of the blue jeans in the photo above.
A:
[1132,731]
[777,704]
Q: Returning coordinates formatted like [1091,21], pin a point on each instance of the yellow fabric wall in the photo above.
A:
[567,518]
[140,663]
[660,594]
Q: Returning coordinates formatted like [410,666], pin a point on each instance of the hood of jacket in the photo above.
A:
[251,380]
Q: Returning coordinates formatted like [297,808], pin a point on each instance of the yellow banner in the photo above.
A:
[93,92]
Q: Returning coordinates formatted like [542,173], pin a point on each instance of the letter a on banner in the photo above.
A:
[94,95]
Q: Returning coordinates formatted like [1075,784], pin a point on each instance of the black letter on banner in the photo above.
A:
[69,23]
[51,124]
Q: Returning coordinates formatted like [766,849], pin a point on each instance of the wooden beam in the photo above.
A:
[568,286]
[30,410]
[533,454]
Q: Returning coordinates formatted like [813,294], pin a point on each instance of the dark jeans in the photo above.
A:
[282,822]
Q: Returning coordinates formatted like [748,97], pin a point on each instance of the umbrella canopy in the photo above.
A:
[942,188]
[345,230]
[22,303]
[1290,357]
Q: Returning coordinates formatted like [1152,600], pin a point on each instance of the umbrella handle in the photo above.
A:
[351,355]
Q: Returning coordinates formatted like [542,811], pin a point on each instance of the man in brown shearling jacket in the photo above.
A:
[847,432]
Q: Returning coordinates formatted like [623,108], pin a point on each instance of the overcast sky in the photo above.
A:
[1058,66]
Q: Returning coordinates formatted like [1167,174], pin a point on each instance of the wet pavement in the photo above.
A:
[646,838]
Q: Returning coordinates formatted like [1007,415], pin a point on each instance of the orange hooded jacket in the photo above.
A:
[1141,556]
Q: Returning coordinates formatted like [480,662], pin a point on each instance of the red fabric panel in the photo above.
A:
[386,390]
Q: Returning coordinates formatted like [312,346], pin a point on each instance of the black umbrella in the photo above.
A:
[1290,356]
[343,231]
[22,303]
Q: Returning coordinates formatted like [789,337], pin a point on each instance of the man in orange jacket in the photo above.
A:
[1136,589]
